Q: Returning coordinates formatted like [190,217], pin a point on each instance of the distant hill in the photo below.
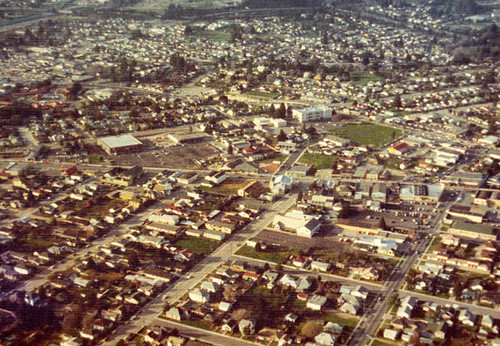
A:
[280,3]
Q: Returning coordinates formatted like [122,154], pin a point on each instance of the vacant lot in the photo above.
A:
[363,78]
[260,94]
[319,161]
[197,245]
[276,255]
[368,134]
[228,187]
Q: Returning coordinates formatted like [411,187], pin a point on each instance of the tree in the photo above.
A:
[230,149]
[366,59]
[75,89]
[188,30]
[394,300]
[300,196]
[71,322]
[282,111]
[272,109]
[324,39]
[178,62]
[311,329]
[282,136]
[397,101]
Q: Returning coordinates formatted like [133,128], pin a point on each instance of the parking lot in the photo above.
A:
[185,156]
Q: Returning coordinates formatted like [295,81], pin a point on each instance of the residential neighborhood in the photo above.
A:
[249,172]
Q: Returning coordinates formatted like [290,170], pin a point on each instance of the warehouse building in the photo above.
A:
[121,144]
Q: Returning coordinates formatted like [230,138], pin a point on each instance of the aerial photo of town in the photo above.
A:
[249,172]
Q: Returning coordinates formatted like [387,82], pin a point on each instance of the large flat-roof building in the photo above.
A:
[473,230]
[312,114]
[121,144]
[188,138]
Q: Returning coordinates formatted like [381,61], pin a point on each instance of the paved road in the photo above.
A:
[202,334]
[443,301]
[148,314]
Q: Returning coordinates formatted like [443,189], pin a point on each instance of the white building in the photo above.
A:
[280,184]
[312,114]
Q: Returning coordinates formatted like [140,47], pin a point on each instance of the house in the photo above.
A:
[253,189]
[228,326]
[291,317]
[176,314]
[316,302]
[87,334]
[406,307]
[288,281]
[467,318]
[199,296]
[247,326]
[392,334]
[220,226]
[299,261]
[349,308]
[225,306]
[320,266]
[334,328]
[488,321]
[326,339]
[438,329]
[210,287]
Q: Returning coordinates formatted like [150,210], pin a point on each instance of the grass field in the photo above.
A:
[228,187]
[363,78]
[319,161]
[261,94]
[343,319]
[368,134]
[435,244]
[198,245]
[217,35]
[275,256]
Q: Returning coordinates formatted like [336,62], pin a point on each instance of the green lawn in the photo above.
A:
[385,342]
[228,187]
[435,244]
[343,319]
[275,300]
[197,324]
[363,78]
[218,35]
[319,161]
[198,245]
[275,256]
[262,94]
[368,134]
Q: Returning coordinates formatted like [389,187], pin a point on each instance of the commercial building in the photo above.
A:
[473,230]
[121,144]
[312,114]
[188,138]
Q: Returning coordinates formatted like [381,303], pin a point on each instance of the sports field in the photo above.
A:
[371,135]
